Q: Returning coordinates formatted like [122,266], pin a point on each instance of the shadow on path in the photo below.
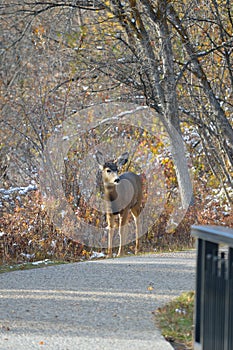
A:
[99,304]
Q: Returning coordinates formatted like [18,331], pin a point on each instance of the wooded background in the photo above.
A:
[60,57]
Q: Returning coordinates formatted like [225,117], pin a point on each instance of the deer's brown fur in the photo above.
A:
[122,193]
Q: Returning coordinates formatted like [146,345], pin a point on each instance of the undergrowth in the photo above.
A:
[175,320]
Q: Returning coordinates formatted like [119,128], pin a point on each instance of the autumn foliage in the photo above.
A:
[28,235]
[173,57]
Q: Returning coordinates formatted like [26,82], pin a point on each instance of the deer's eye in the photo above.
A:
[108,171]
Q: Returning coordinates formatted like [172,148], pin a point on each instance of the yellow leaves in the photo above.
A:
[39,33]
[156,147]
[39,30]
[150,287]
[169,171]
[109,13]
[165,161]
[85,254]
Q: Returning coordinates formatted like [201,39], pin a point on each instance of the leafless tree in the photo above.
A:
[161,53]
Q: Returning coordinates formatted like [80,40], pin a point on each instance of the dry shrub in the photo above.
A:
[208,210]
[28,235]
[158,238]
[214,215]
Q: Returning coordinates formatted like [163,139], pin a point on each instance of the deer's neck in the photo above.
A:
[110,193]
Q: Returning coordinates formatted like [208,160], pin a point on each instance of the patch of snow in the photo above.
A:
[6,197]
[46,261]
[96,255]
[20,190]
[28,256]
[53,243]
[65,138]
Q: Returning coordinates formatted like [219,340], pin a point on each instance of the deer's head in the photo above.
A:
[110,169]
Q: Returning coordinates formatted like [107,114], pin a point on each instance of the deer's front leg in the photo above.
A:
[122,232]
[110,220]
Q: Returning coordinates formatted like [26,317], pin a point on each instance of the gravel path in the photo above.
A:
[97,305]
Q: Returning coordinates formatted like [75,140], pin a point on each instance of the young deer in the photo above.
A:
[122,193]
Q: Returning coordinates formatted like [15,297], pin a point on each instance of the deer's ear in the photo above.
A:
[100,159]
[123,159]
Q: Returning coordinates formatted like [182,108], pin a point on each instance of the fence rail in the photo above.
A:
[214,288]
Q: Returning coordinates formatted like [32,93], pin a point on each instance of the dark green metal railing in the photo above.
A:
[214,288]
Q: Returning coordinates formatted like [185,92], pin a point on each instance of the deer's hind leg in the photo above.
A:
[136,215]
[123,219]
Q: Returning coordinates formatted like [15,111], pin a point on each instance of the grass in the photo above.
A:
[29,265]
[175,320]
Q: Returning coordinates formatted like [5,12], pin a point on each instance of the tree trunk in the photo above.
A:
[170,109]
[181,166]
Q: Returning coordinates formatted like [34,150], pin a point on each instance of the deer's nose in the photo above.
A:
[117,180]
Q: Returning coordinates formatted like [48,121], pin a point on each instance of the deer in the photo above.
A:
[122,194]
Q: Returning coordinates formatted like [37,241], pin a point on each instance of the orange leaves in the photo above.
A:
[39,36]
[28,235]
[39,30]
